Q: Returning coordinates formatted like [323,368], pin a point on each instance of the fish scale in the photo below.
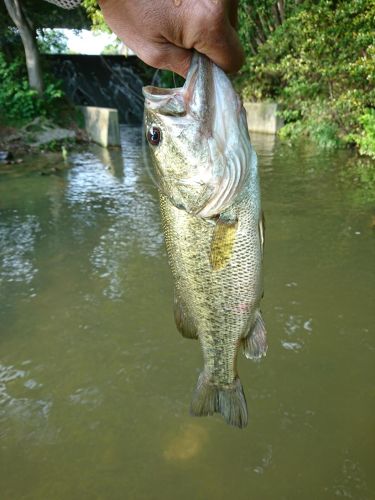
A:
[215,258]
[222,303]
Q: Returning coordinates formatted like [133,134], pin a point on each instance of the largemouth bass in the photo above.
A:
[206,171]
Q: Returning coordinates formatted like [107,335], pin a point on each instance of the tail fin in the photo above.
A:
[255,344]
[229,401]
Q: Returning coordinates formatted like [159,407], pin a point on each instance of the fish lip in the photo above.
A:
[152,92]
[173,101]
[164,101]
[158,94]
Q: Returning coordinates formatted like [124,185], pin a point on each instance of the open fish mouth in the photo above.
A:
[165,101]
[217,127]
[173,101]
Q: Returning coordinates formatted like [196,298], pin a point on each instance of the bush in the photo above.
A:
[365,139]
[19,103]
[319,65]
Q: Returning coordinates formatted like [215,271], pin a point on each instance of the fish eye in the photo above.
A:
[154,136]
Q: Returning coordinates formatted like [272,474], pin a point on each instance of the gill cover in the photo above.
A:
[205,158]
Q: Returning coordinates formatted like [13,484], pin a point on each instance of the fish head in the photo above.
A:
[198,140]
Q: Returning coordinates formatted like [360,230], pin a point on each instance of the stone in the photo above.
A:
[262,117]
[102,125]
[53,135]
[6,156]
[41,132]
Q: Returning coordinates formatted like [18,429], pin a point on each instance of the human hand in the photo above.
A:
[163,32]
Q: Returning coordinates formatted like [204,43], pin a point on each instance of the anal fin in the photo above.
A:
[255,343]
[185,324]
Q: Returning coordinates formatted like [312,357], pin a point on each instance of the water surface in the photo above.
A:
[95,381]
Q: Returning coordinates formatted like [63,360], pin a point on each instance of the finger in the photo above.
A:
[164,55]
[224,48]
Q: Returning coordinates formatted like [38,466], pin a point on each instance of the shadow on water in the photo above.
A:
[95,382]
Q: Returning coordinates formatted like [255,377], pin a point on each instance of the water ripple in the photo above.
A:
[17,240]
[21,407]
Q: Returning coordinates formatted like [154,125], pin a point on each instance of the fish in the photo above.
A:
[206,171]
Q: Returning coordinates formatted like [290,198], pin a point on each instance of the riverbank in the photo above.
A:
[38,137]
[316,59]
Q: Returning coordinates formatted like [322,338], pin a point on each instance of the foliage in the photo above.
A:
[28,16]
[10,43]
[258,19]
[19,103]
[366,138]
[47,15]
[319,64]
[95,15]
[113,47]
[51,41]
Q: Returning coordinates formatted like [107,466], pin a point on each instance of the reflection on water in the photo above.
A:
[95,382]
[89,396]
[187,443]
[17,239]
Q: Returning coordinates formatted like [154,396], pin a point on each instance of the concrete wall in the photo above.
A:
[104,80]
[262,117]
[102,125]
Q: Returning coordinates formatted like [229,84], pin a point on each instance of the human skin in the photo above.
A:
[163,32]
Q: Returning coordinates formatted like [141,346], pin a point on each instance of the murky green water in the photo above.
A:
[95,382]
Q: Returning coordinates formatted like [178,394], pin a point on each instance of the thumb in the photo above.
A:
[165,55]
[224,48]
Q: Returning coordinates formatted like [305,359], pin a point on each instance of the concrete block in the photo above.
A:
[102,125]
[262,117]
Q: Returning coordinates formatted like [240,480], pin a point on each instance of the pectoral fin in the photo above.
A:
[222,243]
[185,324]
